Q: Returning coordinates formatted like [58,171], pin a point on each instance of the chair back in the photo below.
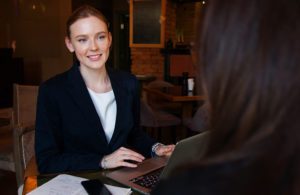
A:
[152,119]
[147,115]
[6,141]
[24,104]
[159,84]
[24,111]
[159,103]
[200,121]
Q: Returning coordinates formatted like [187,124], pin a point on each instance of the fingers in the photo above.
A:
[129,157]
[130,154]
[128,164]
[122,157]
[165,150]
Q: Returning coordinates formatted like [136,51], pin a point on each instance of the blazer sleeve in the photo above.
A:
[50,155]
[138,138]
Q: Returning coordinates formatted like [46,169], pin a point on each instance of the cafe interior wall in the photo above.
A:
[180,20]
[36,28]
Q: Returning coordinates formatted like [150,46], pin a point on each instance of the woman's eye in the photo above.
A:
[81,40]
[101,37]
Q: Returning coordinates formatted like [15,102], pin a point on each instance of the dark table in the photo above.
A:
[4,122]
[32,179]
[175,94]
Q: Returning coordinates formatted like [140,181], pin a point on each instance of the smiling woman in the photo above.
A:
[89,115]
[90,40]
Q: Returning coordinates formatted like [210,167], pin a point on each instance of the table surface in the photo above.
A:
[5,116]
[145,77]
[175,94]
[4,121]
[33,181]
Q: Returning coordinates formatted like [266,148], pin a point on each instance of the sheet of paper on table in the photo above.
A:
[67,184]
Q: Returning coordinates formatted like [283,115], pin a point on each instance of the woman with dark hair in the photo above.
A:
[88,117]
[250,57]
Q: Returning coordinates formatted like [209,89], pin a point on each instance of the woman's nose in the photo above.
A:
[94,45]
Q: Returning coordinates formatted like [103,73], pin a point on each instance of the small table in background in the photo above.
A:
[144,79]
[4,122]
[174,94]
[5,116]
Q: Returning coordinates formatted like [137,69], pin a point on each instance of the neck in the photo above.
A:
[96,80]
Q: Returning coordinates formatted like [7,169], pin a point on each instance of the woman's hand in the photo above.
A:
[164,150]
[121,157]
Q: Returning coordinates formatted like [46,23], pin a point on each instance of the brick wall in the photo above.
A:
[170,30]
[185,22]
[147,61]
[150,60]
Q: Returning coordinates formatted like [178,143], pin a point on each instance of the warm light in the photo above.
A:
[14,45]
[43,7]
[33,7]
[203,2]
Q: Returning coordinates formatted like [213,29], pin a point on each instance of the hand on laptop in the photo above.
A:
[121,157]
[164,150]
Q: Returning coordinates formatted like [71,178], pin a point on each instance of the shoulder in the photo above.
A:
[121,75]
[122,79]
[55,83]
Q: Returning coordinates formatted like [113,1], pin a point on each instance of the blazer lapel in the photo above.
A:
[120,95]
[81,97]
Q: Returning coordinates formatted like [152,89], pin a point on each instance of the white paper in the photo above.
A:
[61,185]
[64,184]
[114,190]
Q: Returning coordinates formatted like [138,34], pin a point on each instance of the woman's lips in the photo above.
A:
[95,57]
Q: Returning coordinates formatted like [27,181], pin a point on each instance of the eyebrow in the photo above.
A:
[84,35]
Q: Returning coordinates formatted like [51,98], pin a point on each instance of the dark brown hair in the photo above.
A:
[250,60]
[84,12]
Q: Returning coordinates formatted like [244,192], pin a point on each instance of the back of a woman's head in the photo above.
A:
[250,58]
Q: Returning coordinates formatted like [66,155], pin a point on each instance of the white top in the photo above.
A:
[106,108]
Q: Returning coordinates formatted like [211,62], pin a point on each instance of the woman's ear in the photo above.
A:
[110,39]
[69,44]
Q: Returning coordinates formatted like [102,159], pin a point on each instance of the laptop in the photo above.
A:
[144,177]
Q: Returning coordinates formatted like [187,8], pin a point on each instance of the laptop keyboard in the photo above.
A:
[148,180]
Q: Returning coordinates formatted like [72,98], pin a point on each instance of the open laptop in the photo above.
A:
[141,178]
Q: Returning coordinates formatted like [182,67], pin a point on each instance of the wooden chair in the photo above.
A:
[6,140]
[199,122]
[161,104]
[24,111]
[157,119]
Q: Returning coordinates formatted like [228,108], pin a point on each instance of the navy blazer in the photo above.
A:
[69,135]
